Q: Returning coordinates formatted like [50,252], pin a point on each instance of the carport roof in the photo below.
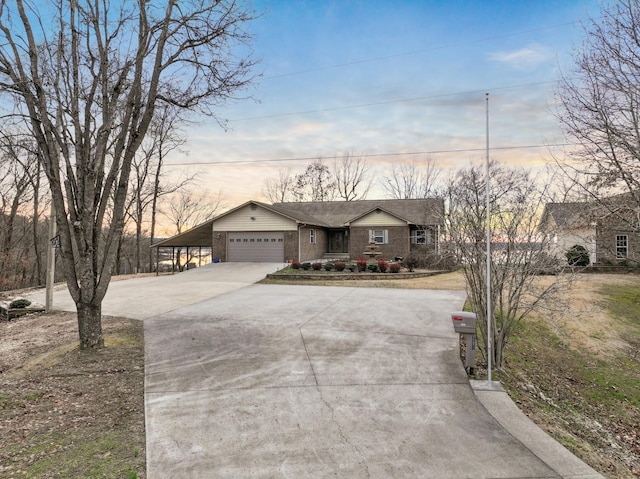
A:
[197,236]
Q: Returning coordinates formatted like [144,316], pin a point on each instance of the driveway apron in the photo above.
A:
[145,296]
[273,381]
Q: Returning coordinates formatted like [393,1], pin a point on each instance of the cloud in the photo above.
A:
[522,59]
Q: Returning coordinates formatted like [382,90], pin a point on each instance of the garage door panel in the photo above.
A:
[256,246]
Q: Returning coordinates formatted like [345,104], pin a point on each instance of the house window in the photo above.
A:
[379,236]
[419,237]
[622,246]
[312,236]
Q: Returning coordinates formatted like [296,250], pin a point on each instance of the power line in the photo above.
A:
[397,55]
[371,155]
[398,100]
[415,52]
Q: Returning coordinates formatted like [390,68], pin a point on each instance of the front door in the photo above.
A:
[338,241]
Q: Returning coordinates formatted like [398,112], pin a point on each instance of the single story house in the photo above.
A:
[608,229]
[304,231]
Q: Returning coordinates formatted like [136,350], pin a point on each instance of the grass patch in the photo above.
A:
[75,456]
[589,403]
[613,384]
[19,400]
[623,301]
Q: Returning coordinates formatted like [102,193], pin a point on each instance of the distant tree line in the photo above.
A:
[348,177]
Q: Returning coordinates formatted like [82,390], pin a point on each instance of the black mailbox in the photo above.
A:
[464,322]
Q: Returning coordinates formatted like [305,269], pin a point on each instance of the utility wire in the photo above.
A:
[370,155]
[397,100]
[415,52]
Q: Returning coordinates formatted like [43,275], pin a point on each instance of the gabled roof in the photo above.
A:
[568,215]
[327,214]
[429,211]
[378,209]
[585,214]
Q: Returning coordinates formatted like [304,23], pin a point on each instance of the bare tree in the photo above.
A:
[565,184]
[21,194]
[412,179]
[17,177]
[146,184]
[279,189]
[519,251]
[351,177]
[316,183]
[185,210]
[599,104]
[167,139]
[88,88]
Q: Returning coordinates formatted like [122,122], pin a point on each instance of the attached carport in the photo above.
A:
[198,238]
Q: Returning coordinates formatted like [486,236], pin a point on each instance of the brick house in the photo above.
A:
[608,229]
[303,231]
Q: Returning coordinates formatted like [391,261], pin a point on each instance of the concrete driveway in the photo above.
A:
[146,296]
[274,381]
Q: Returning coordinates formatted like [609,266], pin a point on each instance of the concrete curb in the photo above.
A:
[498,403]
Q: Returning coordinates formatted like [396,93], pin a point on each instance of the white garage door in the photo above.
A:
[256,246]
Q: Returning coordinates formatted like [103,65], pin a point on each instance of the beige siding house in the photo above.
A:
[569,224]
[304,231]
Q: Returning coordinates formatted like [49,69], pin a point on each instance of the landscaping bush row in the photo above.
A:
[361,265]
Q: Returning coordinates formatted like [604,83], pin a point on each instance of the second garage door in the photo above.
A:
[256,247]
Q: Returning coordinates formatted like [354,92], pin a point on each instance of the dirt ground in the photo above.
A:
[69,413]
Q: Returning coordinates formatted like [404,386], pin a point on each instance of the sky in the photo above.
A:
[392,81]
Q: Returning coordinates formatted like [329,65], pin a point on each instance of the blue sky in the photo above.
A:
[388,79]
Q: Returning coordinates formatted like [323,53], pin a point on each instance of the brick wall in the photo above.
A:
[219,242]
[310,251]
[398,242]
[606,243]
[290,245]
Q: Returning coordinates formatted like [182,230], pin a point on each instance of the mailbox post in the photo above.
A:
[464,323]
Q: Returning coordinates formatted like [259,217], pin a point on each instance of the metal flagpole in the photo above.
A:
[488,227]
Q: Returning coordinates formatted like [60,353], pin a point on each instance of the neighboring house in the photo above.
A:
[303,231]
[609,229]
[566,225]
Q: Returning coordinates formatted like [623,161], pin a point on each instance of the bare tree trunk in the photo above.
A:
[138,247]
[89,324]
[35,221]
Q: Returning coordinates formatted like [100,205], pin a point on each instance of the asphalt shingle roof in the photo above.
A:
[328,214]
[429,211]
